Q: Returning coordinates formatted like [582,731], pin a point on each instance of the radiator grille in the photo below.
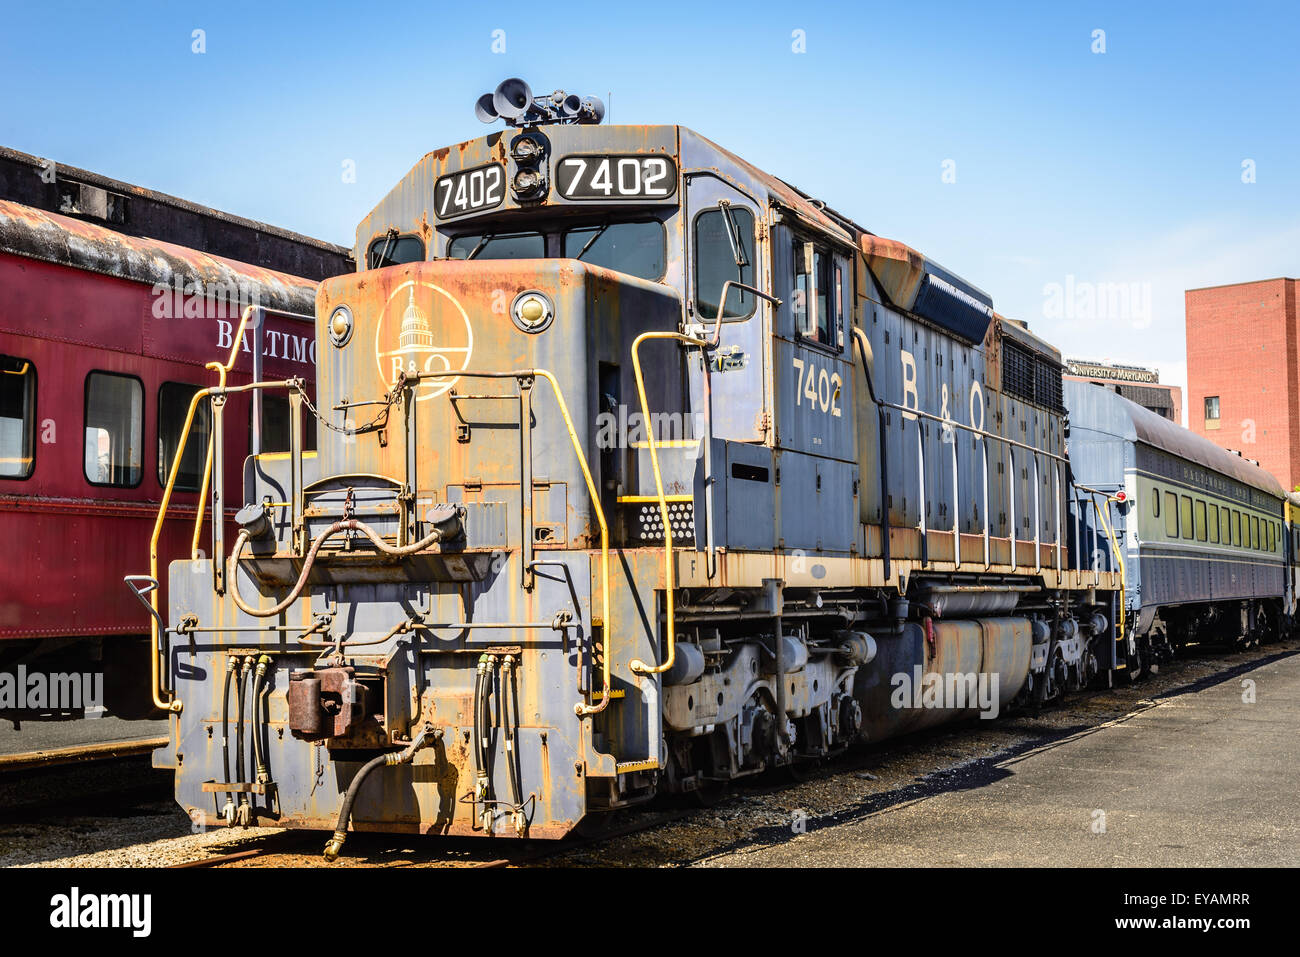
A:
[1030,377]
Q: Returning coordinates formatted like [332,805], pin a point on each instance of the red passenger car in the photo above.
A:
[104,339]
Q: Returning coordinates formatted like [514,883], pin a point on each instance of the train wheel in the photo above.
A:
[710,793]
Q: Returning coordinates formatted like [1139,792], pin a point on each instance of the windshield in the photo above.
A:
[498,246]
[633,248]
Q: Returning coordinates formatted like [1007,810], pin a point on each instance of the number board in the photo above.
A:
[597,177]
[469,191]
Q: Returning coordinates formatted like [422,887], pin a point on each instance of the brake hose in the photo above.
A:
[392,759]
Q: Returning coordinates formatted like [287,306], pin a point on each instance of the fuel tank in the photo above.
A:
[932,672]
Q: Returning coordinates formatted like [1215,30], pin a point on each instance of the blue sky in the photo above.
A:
[1073,168]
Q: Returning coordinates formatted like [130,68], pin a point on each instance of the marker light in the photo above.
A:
[340,327]
[532,311]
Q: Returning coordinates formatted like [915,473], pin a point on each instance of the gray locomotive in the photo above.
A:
[638,471]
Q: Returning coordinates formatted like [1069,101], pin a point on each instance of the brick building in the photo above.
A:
[1134,383]
[1242,375]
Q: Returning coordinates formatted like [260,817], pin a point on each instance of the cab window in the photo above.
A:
[393,250]
[173,405]
[817,302]
[17,417]
[497,246]
[724,249]
[638,249]
[114,430]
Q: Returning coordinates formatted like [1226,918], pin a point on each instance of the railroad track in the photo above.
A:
[368,848]
[308,844]
[77,754]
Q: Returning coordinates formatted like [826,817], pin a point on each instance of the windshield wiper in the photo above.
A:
[733,234]
[594,236]
[487,238]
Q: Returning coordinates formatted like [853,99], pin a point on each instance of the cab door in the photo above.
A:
[724,229]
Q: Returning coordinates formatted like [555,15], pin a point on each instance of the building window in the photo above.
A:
[724,249]
[1211,411]
[173,405]
[114,430]
[1171,515]
[17,417]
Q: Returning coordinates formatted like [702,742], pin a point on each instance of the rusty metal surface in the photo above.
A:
[50,237]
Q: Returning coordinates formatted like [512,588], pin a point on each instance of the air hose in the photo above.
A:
[392,759]
[232,664]
[446,530]
[260,689]
[244,814]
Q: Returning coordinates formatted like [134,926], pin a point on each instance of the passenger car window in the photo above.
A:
[173,405]
[1171,515]
[1225,525]
[17,417]
[1200,521]
[494,246]
[724,249]
[1236,528]
[1155,503]
[638,249]
[1214,524]
[275,425]
[1254,532]
[1185,515]
[114,430]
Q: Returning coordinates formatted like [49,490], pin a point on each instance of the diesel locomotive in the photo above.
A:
[639,471]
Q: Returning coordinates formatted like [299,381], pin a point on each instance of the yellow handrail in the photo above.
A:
[174,705]
[638,665]
[1119,558]
[581,708]
[220,369]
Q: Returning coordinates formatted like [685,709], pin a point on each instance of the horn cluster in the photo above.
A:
[513,101]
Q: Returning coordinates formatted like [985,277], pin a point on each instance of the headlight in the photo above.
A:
[529,182]
[340,326]
[532,311]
